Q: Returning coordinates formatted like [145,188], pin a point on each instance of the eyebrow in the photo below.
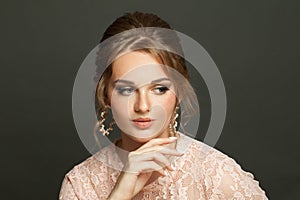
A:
[160,80]
[123,81]
[132,83]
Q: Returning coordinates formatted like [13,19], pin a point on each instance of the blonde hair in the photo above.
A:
[162,54]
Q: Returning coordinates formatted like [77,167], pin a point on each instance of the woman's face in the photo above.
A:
[141,96]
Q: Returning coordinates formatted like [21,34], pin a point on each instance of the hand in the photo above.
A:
[151,157]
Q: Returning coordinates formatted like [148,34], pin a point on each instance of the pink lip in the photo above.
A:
[143,123]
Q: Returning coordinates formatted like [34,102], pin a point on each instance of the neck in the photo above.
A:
[130,144]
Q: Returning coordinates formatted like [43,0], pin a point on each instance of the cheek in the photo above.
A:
[119,105]
[167,103]
[170,104]
[160,105]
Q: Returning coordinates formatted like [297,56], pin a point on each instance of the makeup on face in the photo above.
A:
[142,96]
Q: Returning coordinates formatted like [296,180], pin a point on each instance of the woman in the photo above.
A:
[144,88]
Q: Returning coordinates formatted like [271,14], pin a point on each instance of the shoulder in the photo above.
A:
[95,166]
[222,176]
[86,166]
[211,160]
[77,182]
[200,150]
[97,163]
[204,152]
[87,179]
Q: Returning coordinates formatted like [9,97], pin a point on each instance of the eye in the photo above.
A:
[160,89]
[125,91]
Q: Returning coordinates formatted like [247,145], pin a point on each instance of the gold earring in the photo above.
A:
[102,120]
[173,123]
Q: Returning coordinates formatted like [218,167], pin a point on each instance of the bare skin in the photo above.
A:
[148,97]
[144,166]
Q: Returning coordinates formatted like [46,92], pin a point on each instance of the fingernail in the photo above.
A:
[166,173]
[173,138]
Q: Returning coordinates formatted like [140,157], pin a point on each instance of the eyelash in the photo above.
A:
[122,90]
[162,89]
[127,91]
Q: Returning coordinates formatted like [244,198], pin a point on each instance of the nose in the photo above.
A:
[142,103]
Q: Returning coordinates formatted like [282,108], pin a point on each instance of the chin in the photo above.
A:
[144,139]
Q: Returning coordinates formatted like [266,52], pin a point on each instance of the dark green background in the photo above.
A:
[255,44]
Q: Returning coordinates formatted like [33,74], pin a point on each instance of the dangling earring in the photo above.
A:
[173,124]
[102,120]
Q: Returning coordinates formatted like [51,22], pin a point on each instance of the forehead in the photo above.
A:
[137,66]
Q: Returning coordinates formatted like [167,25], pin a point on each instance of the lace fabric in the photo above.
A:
[201,173]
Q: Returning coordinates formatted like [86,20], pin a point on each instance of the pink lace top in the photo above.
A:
[201,173]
